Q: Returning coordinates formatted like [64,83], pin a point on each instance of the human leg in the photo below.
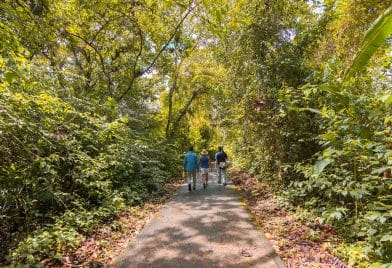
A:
[189,178]
[194,180]
[204,176]
[224,177]
[219,175]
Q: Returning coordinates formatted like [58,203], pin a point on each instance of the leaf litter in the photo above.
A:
[300,244]
[102,246]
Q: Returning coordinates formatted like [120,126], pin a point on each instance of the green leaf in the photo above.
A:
[386,238]
[312,110]
[387,99]
[336,215]
[320,165]
[376,265]
[387,120]
[375,37]
[379,170]
[10,76]
[373,216]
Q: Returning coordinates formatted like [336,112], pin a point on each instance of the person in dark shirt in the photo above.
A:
[204,164]
[221,162]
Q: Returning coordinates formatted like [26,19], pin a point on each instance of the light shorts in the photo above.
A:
[204,170]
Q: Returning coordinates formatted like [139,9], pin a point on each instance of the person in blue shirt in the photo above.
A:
[190,166]
[221,158]
[204,164]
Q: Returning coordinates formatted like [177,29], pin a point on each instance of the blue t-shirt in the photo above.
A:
[204,161]
[190,161]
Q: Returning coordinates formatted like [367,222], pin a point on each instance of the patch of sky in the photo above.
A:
[288,34]
[171,45]
[150,43]
[317,6]
[149,74]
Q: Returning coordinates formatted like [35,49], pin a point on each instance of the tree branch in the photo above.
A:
[99,56]
[171,94]
[185,109]
[148,68]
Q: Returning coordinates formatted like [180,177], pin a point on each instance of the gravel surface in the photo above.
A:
[203,228]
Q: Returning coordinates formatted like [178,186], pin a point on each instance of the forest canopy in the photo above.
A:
[100,99]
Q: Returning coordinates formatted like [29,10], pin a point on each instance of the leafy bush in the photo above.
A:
[346,182]
[65,169]
[50,242]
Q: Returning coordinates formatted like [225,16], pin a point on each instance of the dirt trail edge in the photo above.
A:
[204,228]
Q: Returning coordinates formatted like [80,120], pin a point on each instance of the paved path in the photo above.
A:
[204,228]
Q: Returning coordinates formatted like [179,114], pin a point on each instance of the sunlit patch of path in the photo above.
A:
[204,228]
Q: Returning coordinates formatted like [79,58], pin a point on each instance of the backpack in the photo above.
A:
[223,165]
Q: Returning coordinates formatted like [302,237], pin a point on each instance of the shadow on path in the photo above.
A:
[204,228]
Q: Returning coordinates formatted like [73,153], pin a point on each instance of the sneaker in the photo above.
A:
[225,184]
[189,187]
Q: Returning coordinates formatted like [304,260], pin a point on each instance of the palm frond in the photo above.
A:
[375,37]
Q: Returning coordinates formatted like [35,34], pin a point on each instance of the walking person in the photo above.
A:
[190,166]
[221,162]
[204,163]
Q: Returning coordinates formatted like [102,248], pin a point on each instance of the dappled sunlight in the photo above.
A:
[99,101]
[206,228]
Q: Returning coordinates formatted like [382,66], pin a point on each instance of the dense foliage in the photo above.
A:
[312,124]
[72,155]
[99,99]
